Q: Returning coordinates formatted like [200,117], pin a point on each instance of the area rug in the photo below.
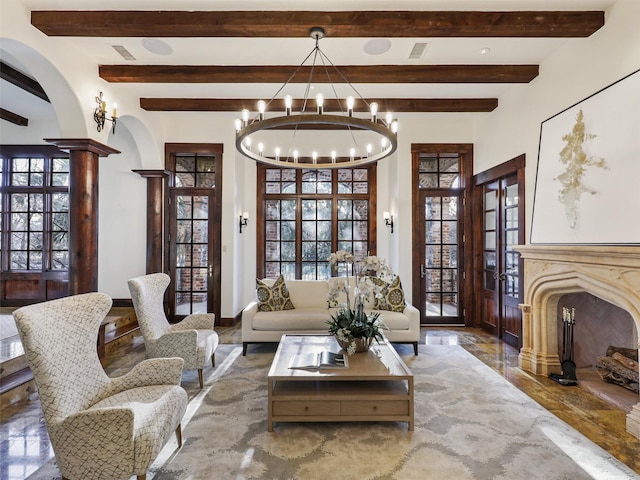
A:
[470,423]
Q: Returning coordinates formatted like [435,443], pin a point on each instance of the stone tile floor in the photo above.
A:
[24,443]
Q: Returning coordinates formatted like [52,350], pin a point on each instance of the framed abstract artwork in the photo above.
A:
[588,177]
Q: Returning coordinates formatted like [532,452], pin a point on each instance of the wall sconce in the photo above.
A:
[244,218]
[100,114]
[388,220]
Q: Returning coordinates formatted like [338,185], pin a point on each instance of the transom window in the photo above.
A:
[308,214]
[34,213]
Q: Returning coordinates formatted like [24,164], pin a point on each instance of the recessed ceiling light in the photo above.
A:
[377,46]
[485,50]
[159,47]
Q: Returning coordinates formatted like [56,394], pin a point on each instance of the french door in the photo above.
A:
[441,174]
[190,252]
[193,231]
[501,269]
[440,271]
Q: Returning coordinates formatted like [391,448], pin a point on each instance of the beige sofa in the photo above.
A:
[311,313]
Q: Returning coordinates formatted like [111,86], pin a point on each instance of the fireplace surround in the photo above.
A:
[611,273]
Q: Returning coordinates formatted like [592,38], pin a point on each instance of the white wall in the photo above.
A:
[577,70]
[122,197]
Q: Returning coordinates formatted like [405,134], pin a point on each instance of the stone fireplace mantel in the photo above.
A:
[611,273]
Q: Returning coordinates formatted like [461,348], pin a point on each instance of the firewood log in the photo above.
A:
[627,362]
[631,353]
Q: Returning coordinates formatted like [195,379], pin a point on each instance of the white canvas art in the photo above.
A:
[588,178]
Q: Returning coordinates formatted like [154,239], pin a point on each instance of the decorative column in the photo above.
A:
[83,210]
[155,181]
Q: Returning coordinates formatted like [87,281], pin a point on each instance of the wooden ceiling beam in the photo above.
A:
[355,74]
[20,80]
[283,24]
[330,105]
[13,118]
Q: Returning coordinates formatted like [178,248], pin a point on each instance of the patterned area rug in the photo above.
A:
[470,424]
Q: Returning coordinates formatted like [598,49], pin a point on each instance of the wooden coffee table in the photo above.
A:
[377,386]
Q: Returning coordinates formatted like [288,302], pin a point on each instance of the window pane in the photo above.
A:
[313,230]
[39,198]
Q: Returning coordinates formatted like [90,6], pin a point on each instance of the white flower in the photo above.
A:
[340,256]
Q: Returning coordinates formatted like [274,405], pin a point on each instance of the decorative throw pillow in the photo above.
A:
[392,297]
[274,298]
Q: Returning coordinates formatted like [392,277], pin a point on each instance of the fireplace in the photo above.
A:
[611,273]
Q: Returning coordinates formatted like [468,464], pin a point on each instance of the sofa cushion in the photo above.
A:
[308,293]
[391,297]
[300,319]
[273,298]
[393,320]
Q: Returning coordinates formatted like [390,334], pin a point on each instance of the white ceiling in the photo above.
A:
[291,51]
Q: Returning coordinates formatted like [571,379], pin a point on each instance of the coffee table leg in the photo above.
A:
[410,386]
[270,406]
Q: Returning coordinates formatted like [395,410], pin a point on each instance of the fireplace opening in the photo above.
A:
[598,325]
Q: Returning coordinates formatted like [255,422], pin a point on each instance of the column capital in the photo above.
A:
[152,173]
[83,144]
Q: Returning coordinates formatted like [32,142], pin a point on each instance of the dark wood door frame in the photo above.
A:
[515,166]
[215,227]
[465,151]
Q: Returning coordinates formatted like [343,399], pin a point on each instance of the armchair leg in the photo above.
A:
[213,360]
[415,348]
[200,377]
[179,436]
[142,477]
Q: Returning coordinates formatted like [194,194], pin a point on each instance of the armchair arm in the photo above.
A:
[154,371]
[93,436]
[182,343]
[197,321]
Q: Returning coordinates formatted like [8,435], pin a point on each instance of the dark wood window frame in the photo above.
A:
[20,287]
[262,197]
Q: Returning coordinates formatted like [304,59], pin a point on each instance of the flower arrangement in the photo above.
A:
[352,326]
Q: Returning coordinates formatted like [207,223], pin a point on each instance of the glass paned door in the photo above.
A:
[438,237]
[501,262]
[440,271]
[190,217]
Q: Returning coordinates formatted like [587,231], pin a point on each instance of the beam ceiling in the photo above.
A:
[336,24]
[341,24]
[355,74]
[20,80]
[13,118]
[330,105]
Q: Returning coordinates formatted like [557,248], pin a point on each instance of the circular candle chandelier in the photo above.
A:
[311,139]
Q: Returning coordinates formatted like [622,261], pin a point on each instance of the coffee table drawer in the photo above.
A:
[375,407]
[302,407]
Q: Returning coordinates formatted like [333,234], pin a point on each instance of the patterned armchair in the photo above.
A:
[100,428]
[193,339]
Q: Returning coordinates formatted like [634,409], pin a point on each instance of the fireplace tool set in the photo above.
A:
[568,376]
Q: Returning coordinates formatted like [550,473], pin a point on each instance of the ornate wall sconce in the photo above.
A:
[388,220]
[100,114]
[244,219]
